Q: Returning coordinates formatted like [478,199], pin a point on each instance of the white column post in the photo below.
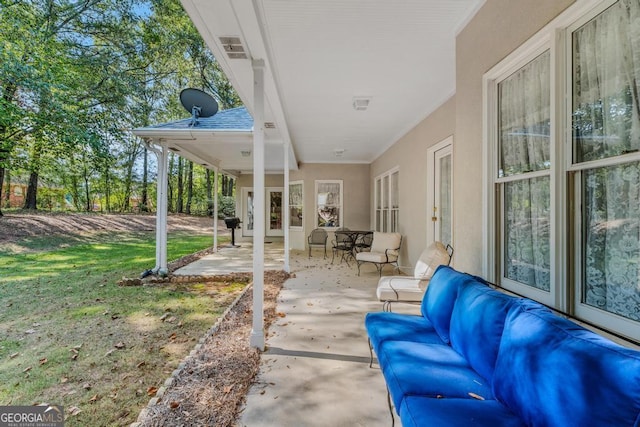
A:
[257,339]
[161,214]
[286,212]
[215,210]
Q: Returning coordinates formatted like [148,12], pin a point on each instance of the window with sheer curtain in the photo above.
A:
[606,133]
[523,174]
[329,203]
[566,213]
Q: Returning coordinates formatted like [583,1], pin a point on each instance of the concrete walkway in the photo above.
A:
[315,370]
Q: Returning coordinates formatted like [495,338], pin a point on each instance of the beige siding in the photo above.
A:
[410,155]
[498,28]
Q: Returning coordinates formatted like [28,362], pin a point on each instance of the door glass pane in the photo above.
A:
[275,210]
[606,84]
[526,228]
[295,205]
[250,210]
[524,119]
[445,199]
[611,228]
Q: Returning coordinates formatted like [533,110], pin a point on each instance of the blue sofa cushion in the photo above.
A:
[552,372]
[420,411]
[437,303]
[430,370]
[477,322]
[383,326]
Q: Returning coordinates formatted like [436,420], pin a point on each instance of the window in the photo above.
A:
[296,203]
[563,183]
[387,202]
[523,174]
[329,203]
[605,125]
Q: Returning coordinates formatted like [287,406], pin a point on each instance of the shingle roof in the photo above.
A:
[232,119]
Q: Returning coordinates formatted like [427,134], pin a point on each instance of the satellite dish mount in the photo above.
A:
[198,103]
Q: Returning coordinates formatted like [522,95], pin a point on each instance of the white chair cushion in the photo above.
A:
[383,241]
[399,288]
[432,257]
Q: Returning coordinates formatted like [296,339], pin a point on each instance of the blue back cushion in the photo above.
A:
[441,294]
[477,323]
[552,372]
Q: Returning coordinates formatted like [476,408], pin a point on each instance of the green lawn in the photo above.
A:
[69,335]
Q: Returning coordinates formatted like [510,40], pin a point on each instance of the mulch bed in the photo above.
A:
[212,385]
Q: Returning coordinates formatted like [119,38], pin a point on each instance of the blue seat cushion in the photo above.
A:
[552,372]
[420,411]
[477,323]
[431,370]
[437,303]
[383,326]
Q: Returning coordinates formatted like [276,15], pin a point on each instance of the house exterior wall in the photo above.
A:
[498,28]
[355,187]
[409,154]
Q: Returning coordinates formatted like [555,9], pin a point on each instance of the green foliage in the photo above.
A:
[76,76]
[226,207]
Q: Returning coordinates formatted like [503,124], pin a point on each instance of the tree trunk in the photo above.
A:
[30,202]
[230,189]
[8,187]
[170,185]
[107,188]
[209,192]
[144,203]
[87,192]
[189,186]
[7,191]
[224,185]
[179,201]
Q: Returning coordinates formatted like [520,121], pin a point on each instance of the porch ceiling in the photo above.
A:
[320,54]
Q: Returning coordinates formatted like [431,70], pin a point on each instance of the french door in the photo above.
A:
[274,219]
[439,193]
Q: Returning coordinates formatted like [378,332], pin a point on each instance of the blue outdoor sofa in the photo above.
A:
[478,357]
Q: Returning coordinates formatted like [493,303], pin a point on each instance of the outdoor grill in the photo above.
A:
[232,223]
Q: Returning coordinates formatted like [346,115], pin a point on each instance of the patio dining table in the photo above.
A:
[353,241]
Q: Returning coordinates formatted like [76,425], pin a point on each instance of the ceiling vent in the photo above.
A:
[339,152]
[233,47]
[245,153]
[269,125]
[361,103]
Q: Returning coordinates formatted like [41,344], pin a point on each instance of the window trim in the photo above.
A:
[565,262]
[340,206]
[386,216]
[301,206]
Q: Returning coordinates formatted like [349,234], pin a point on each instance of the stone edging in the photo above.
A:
[169,381]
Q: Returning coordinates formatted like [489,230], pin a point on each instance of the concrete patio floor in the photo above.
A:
[315,370]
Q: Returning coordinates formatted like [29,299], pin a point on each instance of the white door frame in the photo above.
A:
[245,205]
[435,153]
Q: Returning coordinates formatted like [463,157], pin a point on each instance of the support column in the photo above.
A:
[286,211]
[215,210]
[161,210]
[257,332]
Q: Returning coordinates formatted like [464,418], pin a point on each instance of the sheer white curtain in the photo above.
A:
[606,123]
[524,130]
[606,116]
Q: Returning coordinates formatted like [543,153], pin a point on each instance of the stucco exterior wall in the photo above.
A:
[410,155]
[498,28]
[356,188]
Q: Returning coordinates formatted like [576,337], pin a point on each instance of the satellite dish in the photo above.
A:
[198,103]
